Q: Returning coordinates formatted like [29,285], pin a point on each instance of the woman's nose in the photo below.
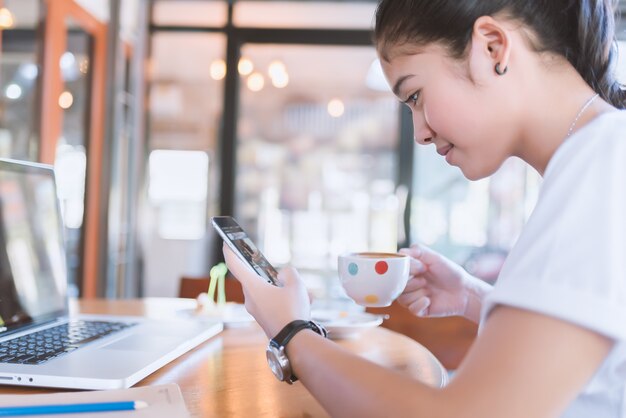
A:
[423,140]
[422,133]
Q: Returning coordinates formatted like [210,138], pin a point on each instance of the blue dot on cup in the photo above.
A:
[353,269]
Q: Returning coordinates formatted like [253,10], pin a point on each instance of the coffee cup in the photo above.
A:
[373,279]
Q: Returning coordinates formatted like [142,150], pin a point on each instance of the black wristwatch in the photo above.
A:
[276,356]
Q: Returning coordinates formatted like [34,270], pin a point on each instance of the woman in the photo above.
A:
[486,80]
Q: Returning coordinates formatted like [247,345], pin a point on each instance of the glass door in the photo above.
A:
[72,123]
[71,151]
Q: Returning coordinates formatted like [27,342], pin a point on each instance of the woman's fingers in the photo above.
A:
[416,267]
[422,253]
[420,306]
[238,268]
[414,284]
[288,276]
[408,298]
[231,260]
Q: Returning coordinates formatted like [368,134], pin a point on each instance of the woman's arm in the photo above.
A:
[523,364]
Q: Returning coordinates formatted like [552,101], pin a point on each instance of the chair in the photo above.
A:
[191,287]
[448,339]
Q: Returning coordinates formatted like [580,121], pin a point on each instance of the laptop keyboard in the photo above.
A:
[49,343]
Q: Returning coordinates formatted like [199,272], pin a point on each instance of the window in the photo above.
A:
[317,14]
[178,189]
[19,74]
[316,155]
[473,222]
[190,12]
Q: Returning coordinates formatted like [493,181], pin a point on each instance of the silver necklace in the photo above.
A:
[582,110]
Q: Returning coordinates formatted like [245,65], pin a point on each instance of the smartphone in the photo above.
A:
[236,238]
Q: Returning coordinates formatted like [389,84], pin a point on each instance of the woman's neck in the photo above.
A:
[556,105]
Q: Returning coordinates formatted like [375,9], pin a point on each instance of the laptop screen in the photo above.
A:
[33,280]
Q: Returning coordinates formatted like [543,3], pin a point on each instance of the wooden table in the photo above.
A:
[228,375]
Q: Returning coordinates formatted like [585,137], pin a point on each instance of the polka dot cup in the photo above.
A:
[373,279]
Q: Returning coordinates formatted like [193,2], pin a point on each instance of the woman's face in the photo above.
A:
[457,106]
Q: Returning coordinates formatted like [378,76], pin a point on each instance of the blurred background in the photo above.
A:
[160,114]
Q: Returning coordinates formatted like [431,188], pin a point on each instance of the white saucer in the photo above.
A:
[231,314]
[342,324]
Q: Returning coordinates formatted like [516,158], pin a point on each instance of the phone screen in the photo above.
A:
[237,239]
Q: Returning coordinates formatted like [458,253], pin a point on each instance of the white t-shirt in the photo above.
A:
[570,260]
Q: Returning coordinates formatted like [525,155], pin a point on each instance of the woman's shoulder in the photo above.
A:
[603,139]
[607,126]
[610,119]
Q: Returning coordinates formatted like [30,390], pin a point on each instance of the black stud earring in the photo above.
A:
[499,71]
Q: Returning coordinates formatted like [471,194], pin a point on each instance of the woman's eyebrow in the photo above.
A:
[398,85]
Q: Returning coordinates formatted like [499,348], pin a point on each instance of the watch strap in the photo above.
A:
[291,329]
[285,335]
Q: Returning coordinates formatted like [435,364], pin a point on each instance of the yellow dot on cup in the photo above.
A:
[371,299]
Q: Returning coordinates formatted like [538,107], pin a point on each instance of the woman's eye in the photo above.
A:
[412,100]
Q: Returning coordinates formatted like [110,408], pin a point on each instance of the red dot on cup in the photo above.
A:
[381,267]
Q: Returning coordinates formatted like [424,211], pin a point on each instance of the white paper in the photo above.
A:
[163,401]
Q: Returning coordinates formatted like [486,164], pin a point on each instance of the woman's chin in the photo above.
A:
[474,173]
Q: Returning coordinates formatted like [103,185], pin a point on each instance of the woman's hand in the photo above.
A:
[273,307]
[439,287]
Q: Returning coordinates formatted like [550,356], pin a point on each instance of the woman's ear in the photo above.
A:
[490,48]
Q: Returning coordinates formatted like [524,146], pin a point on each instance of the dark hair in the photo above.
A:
[582,31]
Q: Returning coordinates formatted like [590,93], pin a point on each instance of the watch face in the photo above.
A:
[274,363]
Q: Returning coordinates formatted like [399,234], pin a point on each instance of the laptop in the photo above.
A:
[41,344]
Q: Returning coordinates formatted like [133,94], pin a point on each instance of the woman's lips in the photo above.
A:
[448,156]
[443,151]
